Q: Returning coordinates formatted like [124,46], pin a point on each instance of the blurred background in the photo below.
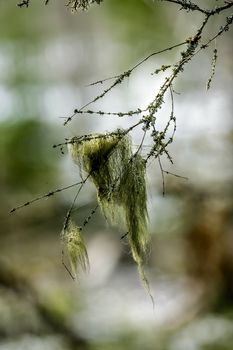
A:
[47,58]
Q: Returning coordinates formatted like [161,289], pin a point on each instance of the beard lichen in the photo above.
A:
[76,249]
[133,198]
[119,177]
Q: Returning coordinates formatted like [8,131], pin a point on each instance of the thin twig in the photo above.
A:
[176,175]
[64,264]
[139,63]
[67,218]
[89,217]
[119,114]
[124,235]
[162,173]
[47,195]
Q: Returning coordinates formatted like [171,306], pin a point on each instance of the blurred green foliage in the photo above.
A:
[24,24]
[141,25]
[27,163]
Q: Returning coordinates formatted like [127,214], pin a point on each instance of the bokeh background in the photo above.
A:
[47,58]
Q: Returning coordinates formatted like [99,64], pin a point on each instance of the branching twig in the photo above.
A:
[119,79]
[190,6]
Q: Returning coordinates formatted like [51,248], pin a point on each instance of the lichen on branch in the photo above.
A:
[108,160]
[119,177]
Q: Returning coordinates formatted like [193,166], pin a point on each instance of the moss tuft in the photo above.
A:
[76,249]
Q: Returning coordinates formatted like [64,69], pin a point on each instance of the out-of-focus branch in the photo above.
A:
[11,279]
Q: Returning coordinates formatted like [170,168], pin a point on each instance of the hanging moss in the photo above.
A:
[104,158]
[119,177]
[132,194]
[76,249]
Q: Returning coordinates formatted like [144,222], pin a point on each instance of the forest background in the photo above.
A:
[47,58]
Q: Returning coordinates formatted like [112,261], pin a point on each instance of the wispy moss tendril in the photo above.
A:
[76,249]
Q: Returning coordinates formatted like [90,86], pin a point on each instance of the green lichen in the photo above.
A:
[104,157]
[133,198]
[76,249]
[119,177]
